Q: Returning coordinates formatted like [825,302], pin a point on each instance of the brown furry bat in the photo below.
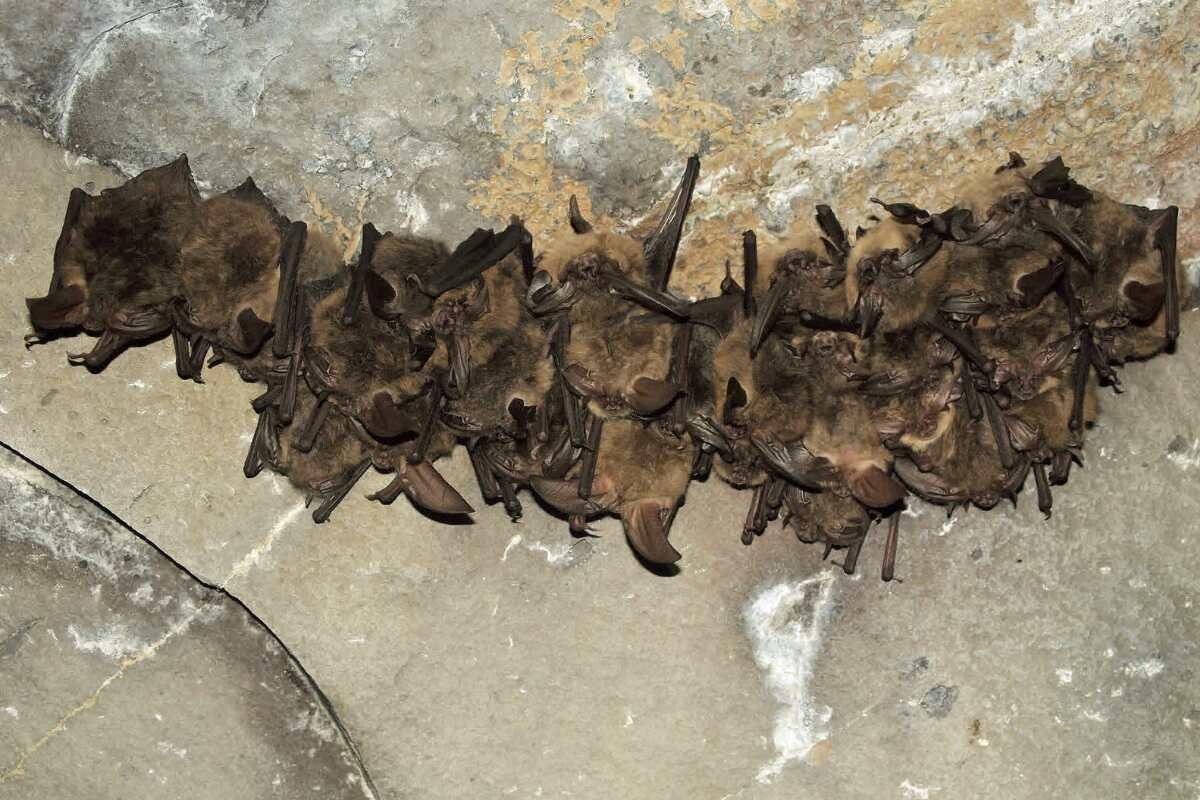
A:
[116,263]
[944,354]
[619,344]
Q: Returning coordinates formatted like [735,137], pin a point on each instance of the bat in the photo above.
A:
[952,355]
[116,263]
[620,352]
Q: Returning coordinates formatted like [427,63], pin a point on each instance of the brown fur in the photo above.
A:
[122,250]
[567,247]
[509,352]
[370,356]
[636,462]
[617,343]
[337,450]
[230,262]
[830,517]
[979,192]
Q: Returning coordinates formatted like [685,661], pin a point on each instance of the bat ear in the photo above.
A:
[1033,286]
[252,331]
[481,250]
[58,310]
[578,223]
[874,488]
[521,413]
[735,398]
[1144,301]
[380,295]
[426,487]
[649,396]
[387,420]
[647,532]
[662,245]
[248,192]
[1053,181]
[169,184]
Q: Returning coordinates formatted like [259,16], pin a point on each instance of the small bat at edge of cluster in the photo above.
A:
[944,355]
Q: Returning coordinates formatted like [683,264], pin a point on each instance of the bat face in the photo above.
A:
[894,275]
[947,354]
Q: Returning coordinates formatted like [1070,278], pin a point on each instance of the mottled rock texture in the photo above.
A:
[438,116]
[1014,658]
[123,676]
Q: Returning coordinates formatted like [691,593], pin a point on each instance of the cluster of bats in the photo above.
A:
[947,355]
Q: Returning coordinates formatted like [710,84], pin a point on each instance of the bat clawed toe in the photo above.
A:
[105,349]
[333,497]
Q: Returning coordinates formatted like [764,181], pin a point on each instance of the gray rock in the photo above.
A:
[123,676]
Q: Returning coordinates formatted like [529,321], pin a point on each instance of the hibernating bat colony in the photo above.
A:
[947,355]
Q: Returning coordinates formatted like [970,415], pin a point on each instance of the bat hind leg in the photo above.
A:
[489,487]
[756,516]
[105,350]
[264,444]
[331,499]
[198,347]
[888,570]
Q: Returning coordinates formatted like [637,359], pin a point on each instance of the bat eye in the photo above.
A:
[868,270]
[1015,201]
